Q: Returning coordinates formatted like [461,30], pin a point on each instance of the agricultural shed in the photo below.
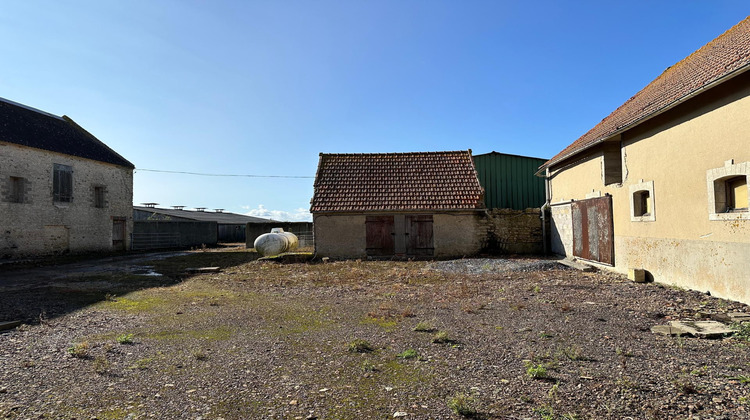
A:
[509,181]
[382,205]
[231,227]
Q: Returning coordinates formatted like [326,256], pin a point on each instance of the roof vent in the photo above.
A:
[150,205]
[178,207]
[219,210]
[200,209]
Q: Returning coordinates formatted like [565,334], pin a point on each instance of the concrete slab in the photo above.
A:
[668,330]
[731,318]
[703,329]
[577,265]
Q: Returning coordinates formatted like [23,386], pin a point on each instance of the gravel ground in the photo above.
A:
[523,338]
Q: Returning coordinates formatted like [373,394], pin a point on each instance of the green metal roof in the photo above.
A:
[509,181]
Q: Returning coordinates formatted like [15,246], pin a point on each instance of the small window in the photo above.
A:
[728,192]
[62,183]
[736,189]
[99,197]
[612,163]
[17,190]
[641,203]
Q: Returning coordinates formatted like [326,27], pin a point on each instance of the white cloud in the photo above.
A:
[298,215]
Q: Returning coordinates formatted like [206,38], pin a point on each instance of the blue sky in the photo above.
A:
[261,88]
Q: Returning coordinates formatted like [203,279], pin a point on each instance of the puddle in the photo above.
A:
[144,271]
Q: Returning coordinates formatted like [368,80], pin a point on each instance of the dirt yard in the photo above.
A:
[484,338]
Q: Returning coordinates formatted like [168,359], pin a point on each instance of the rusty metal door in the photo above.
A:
[118,234]
[419,235]
[593,230]
[379,235]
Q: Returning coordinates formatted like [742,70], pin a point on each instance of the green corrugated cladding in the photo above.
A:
[509,181]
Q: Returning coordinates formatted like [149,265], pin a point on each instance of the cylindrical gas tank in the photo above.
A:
[275,243]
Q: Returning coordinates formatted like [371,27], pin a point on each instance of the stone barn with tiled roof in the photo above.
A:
[61,189]
[425,204]
[660,186]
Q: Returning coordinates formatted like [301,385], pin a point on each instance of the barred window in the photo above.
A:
[62,183]
[99,197]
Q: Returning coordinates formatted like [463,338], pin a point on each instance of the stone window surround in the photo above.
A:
[636,188]
[716,196]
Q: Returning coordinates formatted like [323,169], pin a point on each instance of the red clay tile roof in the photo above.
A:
[367,182]
[715,61]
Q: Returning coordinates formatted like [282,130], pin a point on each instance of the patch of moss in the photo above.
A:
[388,324]
[134,304]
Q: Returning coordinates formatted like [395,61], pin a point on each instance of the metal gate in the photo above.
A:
[419,235]
[593,230]
[379,235]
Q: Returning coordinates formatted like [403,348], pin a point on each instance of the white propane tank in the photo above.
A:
[275,243]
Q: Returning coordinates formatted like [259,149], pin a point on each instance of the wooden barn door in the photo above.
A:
[419,235]
[593,230]
[118,234]
[379,236]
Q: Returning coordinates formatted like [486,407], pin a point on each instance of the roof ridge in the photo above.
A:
[30,108]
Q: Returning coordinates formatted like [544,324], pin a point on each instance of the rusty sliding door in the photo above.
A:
[593,230]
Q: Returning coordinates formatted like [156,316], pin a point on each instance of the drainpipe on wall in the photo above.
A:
[544,210]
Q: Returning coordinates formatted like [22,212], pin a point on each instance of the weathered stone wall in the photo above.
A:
[340,236]
[38,225]
[514,231]
[458,234]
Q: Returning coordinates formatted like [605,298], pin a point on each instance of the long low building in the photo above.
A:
[230,226]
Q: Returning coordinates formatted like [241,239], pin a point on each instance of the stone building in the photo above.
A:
[424,204]
[61,189]
[661,183]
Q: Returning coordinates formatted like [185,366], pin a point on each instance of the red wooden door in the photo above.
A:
[419,235]
[379,235]
[593,230]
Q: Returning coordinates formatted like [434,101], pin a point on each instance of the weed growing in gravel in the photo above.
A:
[536,370]
[534,289]
[442,337]
[572,353]
[463,405]
[142,364]
[699,372]
[423,326]
[742,331]
[685,385]
[743,379]
[79,350]
[368,366]
[360,346]
[200,355]
[408,354]
[125,339]
[101,365]
[545,412]
[623,353]
[627,383]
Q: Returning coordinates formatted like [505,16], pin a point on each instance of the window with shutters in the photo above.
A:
[62,183]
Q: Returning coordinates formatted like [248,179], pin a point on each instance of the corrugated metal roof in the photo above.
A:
[716,61]
[396,182]
[205,216]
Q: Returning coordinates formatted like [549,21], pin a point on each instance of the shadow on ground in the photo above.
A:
[37,295]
